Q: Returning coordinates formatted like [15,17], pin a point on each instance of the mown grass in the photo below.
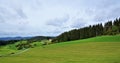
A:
[79,51]
[114,38]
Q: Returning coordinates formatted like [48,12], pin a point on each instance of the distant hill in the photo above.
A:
[35,38]
[39,38]
[13,38]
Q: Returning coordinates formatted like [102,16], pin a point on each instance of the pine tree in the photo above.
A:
[108,28]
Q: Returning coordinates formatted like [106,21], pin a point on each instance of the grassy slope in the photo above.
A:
[115,38]
[103,49]
[8,49]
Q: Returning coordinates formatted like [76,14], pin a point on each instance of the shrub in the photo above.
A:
[12,53]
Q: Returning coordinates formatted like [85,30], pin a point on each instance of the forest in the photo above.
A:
[108,28]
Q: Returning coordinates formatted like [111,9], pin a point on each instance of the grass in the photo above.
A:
[11,48]
[93,50]
[115,38]
[7,49]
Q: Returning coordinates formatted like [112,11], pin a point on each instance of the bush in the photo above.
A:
[12,53]
[0,55]
[35,44]
[19,48]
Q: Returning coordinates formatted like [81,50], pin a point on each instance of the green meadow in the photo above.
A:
[102,49]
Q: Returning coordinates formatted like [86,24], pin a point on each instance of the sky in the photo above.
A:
[53,17]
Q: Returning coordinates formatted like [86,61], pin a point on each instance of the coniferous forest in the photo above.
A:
[109,28]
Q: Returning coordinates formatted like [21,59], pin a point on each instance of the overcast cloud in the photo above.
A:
[52,17]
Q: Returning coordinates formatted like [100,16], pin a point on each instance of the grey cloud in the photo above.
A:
[58,21]
[54,33]
[21,14]
[114,13]
[107,14]
[1,19]
[3,14]
[108,4]
[78,23]
[9,34]
[11,14]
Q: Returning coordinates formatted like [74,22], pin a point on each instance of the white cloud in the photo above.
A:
[52,17]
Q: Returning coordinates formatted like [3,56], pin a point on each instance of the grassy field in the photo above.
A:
[7,49]
[105,49]
[115,38]
[11,48]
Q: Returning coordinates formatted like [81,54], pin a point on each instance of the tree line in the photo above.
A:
[109,28]
[2,42]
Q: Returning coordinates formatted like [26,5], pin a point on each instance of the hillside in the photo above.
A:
[108,38]
[108,28]
[103,49]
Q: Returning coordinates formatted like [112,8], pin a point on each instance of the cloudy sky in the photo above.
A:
[52,17]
